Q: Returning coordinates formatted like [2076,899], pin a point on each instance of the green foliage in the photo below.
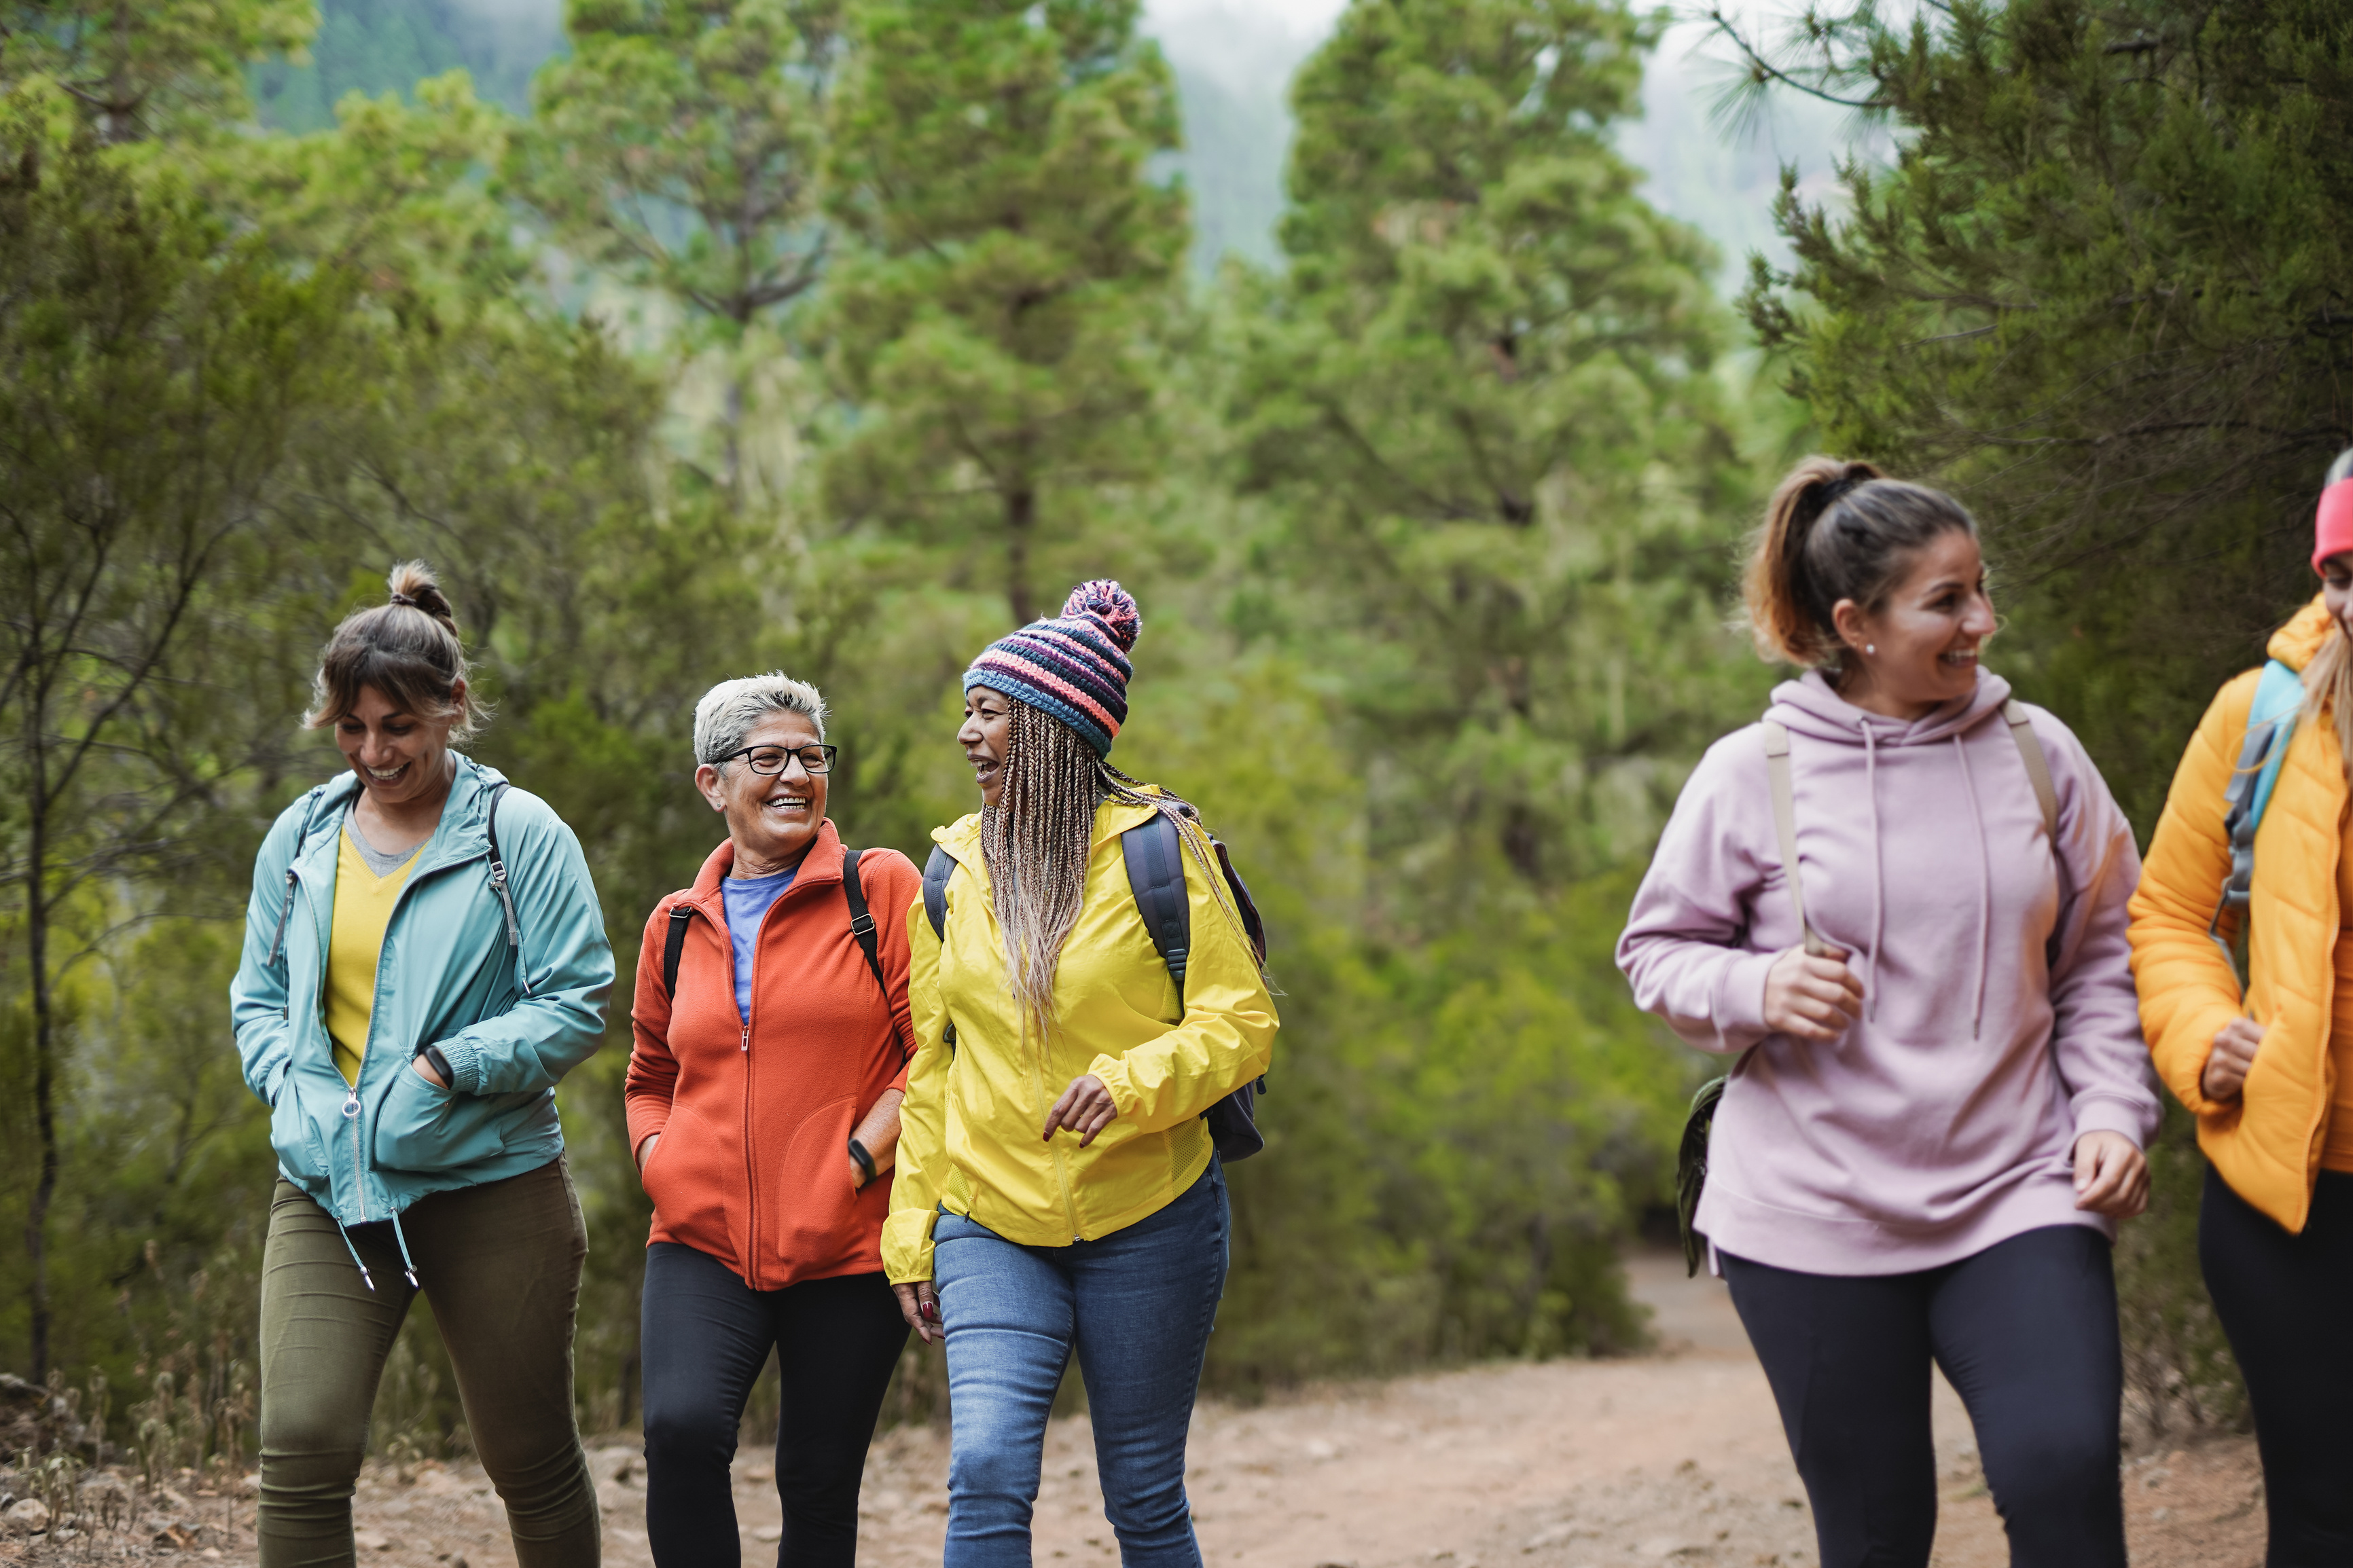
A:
[1482,396]
[137,71]
[2101,290]
[996,331]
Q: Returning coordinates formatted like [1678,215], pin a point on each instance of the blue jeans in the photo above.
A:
[1138,1304]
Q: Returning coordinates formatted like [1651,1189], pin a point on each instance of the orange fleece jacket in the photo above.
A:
[754,1168]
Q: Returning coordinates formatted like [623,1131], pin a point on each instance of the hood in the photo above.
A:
[1809,707]
[961,839]
[2294,644]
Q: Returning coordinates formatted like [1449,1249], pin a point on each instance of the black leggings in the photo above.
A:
[2283,1300]
[707,1335]
[2026,1330]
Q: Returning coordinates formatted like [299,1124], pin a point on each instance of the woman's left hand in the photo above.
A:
[2111,1175]
[425,1070]
[1086,1109]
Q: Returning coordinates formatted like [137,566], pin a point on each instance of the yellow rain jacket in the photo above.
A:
[973,1111]
[2267,1144]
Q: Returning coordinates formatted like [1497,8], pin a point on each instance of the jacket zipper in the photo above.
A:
[352,1115]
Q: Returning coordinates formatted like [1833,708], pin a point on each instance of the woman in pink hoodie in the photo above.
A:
[1936,1117]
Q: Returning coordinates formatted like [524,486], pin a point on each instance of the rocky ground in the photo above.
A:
[1675,1457]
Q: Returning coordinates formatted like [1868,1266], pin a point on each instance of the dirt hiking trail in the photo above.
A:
[1676,1457]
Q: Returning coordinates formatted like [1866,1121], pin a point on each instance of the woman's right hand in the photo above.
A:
[1811,998]
[2235,1045]
[921,1307]
[646,1152]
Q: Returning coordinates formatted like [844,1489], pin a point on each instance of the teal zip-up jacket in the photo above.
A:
[448,975]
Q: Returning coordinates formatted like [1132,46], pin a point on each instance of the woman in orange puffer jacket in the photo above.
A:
[764,1098]
[2269,1076]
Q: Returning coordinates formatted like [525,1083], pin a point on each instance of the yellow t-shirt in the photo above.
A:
[363,903]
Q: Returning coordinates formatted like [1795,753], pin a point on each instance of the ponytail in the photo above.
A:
[406,649]
[1835,531]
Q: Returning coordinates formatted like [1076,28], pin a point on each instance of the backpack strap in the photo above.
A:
[499,884]
[1785,827]
[861,926]
[937,872]
[2271,724]
[937,869]
[674,946]
[1155,875]
[2038,766]
[301,839]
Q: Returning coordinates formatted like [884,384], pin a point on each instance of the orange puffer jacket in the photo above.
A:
[753,1165]
[2267,1144]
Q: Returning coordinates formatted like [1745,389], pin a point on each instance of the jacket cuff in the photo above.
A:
[1740,998]
[907,1246]
[1114,1073]
[2102,1114]
[465,1064]
[2209,1024]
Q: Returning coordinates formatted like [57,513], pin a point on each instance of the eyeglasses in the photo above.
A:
[774,759]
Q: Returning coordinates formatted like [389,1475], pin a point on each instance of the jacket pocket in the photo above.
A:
[820,1218]
[688,1176]
[423,1127]
[302,1152]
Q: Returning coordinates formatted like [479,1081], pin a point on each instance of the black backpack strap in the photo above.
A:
[937,872]
[861,926]
[674,945]
[1155,875]
[499,883]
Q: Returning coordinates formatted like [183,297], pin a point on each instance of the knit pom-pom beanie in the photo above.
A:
[1073,666]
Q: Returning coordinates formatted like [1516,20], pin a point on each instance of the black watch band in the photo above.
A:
[440,1064]
[865,1161]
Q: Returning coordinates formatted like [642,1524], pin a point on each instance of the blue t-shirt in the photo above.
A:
[748,899]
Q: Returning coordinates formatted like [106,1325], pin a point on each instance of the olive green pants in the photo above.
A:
[501,1265]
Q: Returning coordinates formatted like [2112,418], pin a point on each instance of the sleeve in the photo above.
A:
[895,882]
[920,1174]
[651,1082]
[1225,1037]
[258,994]
[2188,990]
[560,1022]
[1686,948]
[2095,1016]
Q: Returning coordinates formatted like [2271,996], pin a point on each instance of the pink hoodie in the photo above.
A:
[1998,1024]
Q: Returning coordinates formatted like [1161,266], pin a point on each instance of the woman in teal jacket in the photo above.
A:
[424,960]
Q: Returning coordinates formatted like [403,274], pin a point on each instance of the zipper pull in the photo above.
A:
[746,1045]
[351,1103]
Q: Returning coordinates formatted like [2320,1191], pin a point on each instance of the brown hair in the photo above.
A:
[406,649]
[1835,531]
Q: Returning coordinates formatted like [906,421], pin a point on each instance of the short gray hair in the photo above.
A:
[729,710]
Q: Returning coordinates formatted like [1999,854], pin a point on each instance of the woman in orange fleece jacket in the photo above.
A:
[2269,1075]
[763,1096]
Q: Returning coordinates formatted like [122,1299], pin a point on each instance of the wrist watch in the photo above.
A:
[865,1161]
[439,1064]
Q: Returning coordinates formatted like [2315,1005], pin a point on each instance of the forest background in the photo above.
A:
[696,337]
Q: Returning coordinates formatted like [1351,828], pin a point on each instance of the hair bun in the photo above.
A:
[412,584]
[1109,603]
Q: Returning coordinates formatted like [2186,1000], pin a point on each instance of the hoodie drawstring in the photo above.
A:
[407,1264]
[1878,872]
[366,1277]
[1985,888]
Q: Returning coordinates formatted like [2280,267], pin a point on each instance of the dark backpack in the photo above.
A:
[1155,875]
[861,927]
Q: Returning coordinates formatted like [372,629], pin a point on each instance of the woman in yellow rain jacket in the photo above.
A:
[1058,1185]
[2270,1079]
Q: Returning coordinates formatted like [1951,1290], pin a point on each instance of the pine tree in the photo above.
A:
[996,330]
[1483,392]
[2102,292]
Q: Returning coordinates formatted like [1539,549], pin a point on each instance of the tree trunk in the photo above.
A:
[1020,523]
[37,943]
